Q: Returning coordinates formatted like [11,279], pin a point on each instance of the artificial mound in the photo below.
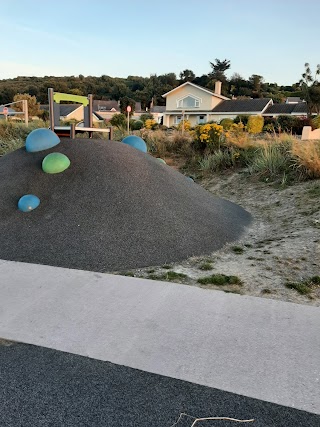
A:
[114,208]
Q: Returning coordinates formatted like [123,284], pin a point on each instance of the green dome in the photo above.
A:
[55,163]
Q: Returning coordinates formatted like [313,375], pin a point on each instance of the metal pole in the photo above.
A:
[51,111]
[128,122]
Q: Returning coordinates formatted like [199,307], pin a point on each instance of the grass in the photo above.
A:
[237,250]
[206,266]
[305,287]
[169,276]
[220,280]
[314,191]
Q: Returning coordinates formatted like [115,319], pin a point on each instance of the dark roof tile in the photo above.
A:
[301,107]
[242,105]
[99,105]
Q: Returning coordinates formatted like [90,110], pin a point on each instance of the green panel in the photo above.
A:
[58,97]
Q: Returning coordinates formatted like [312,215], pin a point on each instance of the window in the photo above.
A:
[201,119]
[177,119]
[188,102]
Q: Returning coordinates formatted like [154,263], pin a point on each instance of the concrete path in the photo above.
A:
[260,348]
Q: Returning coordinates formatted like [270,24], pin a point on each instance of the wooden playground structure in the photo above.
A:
[5,111]
[70,131]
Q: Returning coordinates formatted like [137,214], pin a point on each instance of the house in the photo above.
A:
[191,102]
[74,112]
[299,109]
[234,107]
[158,112]
[106,109]
[201,105]
[294,100]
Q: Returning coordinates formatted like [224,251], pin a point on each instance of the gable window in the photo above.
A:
[188,102]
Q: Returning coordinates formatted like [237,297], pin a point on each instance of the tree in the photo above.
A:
[187,76]
[33,105]
[125,102]
[256,83]
[310,88]
[218,73]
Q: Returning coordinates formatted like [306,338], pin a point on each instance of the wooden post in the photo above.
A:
[25,110]
[72,131]
[110,133]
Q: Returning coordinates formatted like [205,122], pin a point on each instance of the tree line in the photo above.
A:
[149,90]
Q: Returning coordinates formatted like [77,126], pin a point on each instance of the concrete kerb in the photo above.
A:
[256,347]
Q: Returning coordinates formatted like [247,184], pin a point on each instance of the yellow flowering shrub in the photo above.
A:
[255,124]
[185,126]
[149,123]
[237,135]
[208,135]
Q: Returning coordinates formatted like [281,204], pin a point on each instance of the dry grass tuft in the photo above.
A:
[307,154]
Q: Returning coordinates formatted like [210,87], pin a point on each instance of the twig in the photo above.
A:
[209,418]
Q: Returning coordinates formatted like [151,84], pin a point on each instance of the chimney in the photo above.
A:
[217,87]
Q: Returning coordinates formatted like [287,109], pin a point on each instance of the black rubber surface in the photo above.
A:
[115,208]
[42,387]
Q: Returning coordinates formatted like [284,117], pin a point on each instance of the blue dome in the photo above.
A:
[41,139]
[135,142]
[28,202]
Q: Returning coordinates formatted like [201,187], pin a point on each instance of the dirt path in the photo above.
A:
[282,246]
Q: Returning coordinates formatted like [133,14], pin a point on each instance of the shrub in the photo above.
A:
[237,136]
[145,117]
[286,123]
[241,119]
[226,123]
[208,136]
[119,121]
[137,124]
[150,124]
[185,125]
[316,122]
[255,124]
[270,124]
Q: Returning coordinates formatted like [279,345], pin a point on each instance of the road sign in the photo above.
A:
[5,111]
[129,109]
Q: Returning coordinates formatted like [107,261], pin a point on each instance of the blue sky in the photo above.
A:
[127,37]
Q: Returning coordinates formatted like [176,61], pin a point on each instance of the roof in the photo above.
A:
[293,99]
[101,105]
[158,109]
[242,105]
[198,87]
[65,109]
[98,116]
[299,108]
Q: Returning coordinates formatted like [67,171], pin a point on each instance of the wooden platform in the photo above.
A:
[71,131]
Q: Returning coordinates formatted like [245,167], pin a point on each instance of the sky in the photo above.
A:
[120,38]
